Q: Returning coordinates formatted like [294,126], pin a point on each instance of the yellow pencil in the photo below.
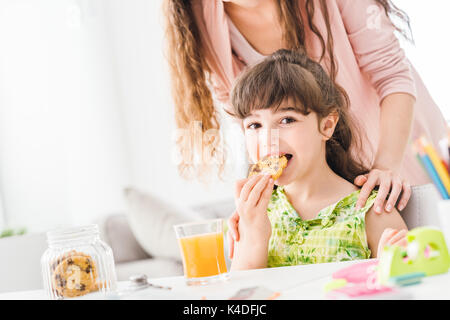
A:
[437,163]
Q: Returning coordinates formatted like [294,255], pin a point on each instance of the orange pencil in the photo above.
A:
[446,166]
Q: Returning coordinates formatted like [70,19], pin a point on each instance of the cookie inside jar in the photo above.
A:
[77,263]
[74,274]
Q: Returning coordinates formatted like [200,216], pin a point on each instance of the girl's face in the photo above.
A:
[288,132]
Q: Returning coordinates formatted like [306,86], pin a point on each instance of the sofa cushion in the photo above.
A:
[152,219]
[422,207]
[116,232]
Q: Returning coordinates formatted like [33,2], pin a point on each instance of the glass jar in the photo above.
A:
[77,262]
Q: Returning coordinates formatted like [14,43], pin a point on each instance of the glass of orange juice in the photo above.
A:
[202,249]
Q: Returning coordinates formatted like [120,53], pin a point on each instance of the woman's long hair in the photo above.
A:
[190,72]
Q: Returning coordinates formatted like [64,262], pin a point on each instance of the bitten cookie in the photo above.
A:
[271,165]
[74,274]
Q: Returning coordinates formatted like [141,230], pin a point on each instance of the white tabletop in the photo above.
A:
[297,282]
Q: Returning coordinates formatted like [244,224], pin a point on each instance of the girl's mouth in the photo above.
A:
[289,158]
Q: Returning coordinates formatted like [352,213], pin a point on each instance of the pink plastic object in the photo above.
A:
[361,283]
[357,273]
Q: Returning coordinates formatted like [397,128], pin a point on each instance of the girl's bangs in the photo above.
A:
[270,84]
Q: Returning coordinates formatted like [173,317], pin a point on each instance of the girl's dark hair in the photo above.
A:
[291,75]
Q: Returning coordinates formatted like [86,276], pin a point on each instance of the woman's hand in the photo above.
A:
[391,237]
[390,183]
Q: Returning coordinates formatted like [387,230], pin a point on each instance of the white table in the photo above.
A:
[298,282]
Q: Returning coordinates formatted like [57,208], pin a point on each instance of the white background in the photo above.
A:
[85,108]
[430,25]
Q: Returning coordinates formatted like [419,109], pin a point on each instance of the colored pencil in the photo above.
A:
[443,149]
[432,173]
[437,163]
[445,166]
[419,159]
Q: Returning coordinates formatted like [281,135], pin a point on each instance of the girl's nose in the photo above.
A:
[268,142]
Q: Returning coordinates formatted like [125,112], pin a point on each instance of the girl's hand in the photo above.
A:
[251,205]
[389,182]
[233,233]
[233,221]
[392,237]
[252,198]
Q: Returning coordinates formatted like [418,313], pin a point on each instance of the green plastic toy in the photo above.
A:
[426,252]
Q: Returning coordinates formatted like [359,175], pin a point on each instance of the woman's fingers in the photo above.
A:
[360,180]
[389,184]
[365,191]
[405,196]
[257,190]
[395,193]
[245,192]
[383,191]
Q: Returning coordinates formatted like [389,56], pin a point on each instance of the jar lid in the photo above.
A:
[72,233]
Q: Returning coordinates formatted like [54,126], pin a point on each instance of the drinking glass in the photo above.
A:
[202,250]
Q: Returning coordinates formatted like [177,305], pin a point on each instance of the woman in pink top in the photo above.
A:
[212,41]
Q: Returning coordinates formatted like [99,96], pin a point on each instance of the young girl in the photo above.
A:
[289,106]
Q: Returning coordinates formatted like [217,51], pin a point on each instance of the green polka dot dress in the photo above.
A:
[337,234]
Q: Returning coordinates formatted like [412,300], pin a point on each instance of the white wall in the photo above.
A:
[85,111]
[430,26]
[62,153]
[137,31]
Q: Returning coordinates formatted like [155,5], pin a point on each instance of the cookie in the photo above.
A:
[272,165]
[74,274]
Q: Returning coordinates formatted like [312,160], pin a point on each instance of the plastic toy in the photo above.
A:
[358,281]
[426,252]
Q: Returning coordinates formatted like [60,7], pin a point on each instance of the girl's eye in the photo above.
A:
[287,120]
[254,125]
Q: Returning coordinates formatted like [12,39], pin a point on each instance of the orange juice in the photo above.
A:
[203,255]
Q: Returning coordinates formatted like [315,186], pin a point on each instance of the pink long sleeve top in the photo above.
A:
[371,65]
